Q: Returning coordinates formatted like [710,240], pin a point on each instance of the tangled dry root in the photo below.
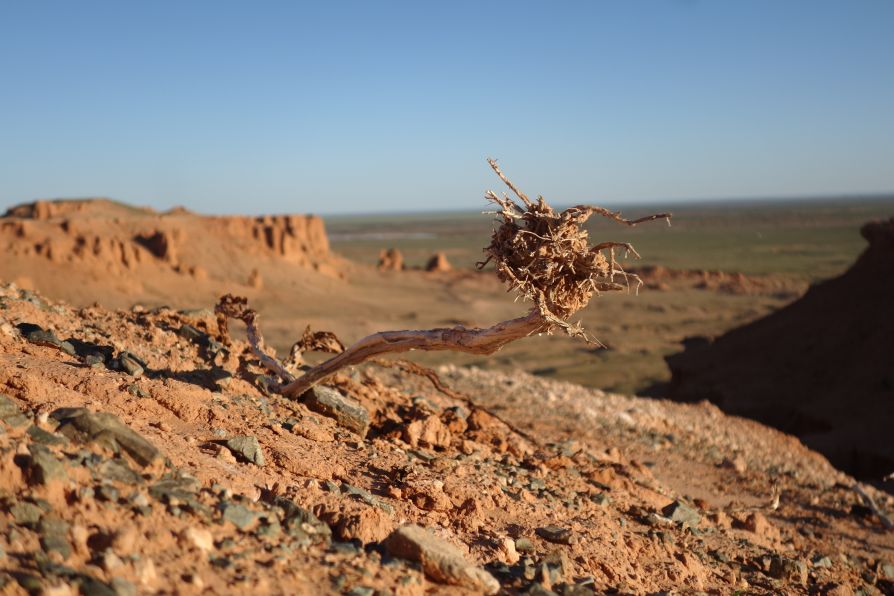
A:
[547,259]
[544,256]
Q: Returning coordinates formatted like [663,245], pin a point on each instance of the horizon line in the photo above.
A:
[628,203]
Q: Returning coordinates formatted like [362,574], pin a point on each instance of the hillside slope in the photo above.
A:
[822,368]
[140,452]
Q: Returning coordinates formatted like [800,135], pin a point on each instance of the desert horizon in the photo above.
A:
[353,276]
[411,299]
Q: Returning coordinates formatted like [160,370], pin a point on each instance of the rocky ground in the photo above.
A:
[141,453]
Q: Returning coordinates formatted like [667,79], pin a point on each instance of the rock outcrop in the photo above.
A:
[657,277]
[438,263]
[160,244]
[296,238]
[102,239]
[390,260]
[821,368]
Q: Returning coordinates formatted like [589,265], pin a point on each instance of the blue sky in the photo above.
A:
[341,106]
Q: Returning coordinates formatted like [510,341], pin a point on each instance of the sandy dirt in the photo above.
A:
[544,486]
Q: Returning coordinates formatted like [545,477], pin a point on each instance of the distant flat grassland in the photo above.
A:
[811,239]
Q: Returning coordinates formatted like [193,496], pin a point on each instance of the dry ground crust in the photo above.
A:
[576,479]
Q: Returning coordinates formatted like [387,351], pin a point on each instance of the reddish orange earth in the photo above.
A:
[141,454]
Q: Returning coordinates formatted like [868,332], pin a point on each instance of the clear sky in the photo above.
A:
[343,106]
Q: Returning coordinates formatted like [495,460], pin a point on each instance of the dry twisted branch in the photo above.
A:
[458,339]
[236,307]
[543,255]
[314,341]
[420,371]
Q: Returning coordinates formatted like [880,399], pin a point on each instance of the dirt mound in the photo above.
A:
[87,248]
[139,452]
[438,263]
[390,260]
[821,368]
[255,280]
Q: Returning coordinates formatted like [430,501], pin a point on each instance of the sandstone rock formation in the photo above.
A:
[160,244]
[438,262]
[657,277]
[96,241]
[390,260]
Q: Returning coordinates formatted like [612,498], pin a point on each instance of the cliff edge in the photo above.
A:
[821,368]
[110,249]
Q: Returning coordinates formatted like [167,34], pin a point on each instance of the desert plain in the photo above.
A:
[143,450]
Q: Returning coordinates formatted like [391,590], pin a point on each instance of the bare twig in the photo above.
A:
[774,501]
[313,341]
[328,342]
[625,245]
[236,307]
[585,211]
[421,371]
[524,198]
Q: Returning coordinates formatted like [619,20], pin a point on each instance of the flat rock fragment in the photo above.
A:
[131,364]
[239,515]
[682,514]
[247,448]
[54,536]
[172,489]
[25,514]
[441,561]
[555,534]
[84,426]
[44,467]
[39,435]
[792,570]
[42,337]
[347,413]
[10,413]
